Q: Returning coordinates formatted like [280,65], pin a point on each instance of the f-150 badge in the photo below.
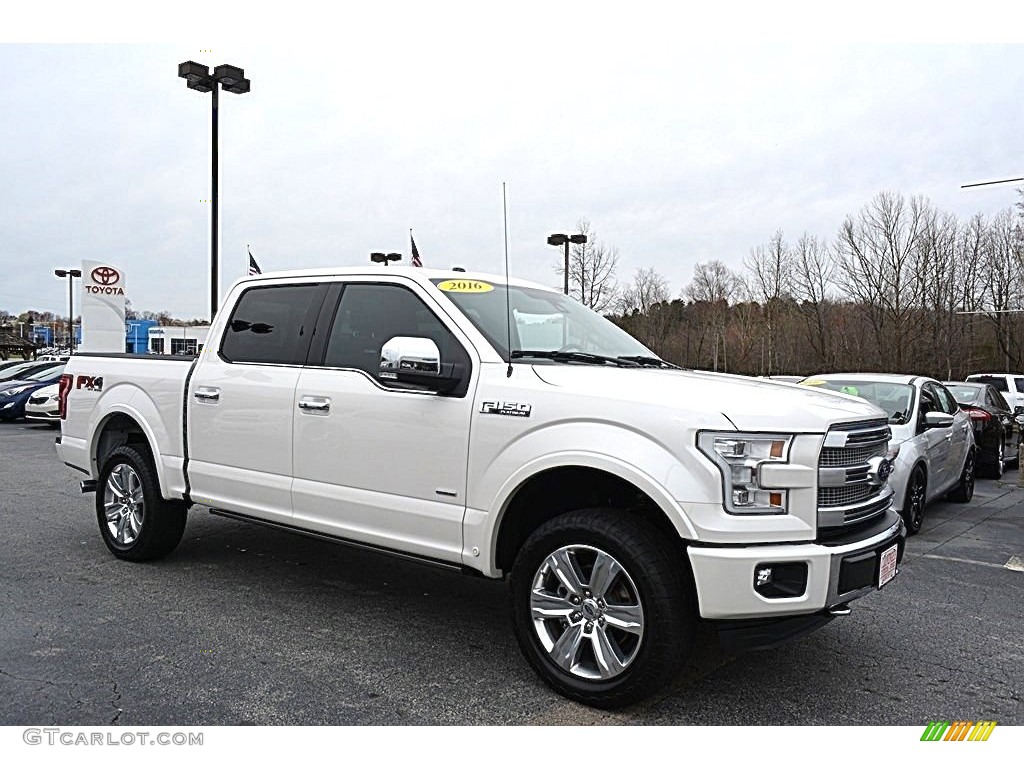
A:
[502,408]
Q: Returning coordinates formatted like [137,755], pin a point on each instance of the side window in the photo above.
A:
[268,325]
[1019,384]
[370,314]
[946,401]
[929,401]
[997,399]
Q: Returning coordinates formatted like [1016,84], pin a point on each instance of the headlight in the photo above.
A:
[739,458]
[14,390]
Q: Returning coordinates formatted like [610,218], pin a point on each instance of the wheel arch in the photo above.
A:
[123,426]
[567,485]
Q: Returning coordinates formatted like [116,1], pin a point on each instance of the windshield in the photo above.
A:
[965,393]
[542,321]
[46,373]
[13,371]
[897,400]
[999,382]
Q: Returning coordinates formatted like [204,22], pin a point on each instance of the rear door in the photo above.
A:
[376,461]
[1002,412]
[241,400]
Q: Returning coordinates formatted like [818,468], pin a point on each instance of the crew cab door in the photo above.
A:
[241,401]
[377,461]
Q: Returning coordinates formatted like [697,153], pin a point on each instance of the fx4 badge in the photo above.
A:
[501,408]
[95,383]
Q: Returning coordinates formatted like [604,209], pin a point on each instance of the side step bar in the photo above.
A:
[465,570]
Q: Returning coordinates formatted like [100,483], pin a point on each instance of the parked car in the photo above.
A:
[14,395]
[1010,385]
[931,437]
[42,405]
[996,431]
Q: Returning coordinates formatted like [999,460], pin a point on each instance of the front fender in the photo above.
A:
[589,445]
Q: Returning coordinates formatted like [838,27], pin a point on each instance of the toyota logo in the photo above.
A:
[105,275]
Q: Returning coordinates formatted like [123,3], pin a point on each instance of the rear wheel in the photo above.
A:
[995,469]
[136,522]
[964,492]
[602,607]
[913,501]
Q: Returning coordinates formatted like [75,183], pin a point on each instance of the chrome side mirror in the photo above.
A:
[409,354]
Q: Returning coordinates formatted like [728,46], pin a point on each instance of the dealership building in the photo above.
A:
[141,337]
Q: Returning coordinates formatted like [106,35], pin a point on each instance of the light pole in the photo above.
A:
[70,274]
[383,258]
[559,239]
[198,78]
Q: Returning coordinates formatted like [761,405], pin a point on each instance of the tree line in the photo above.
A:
[901,287]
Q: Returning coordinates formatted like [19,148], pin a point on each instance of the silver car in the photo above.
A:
[933,436]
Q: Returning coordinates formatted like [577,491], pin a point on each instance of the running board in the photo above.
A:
[421,559]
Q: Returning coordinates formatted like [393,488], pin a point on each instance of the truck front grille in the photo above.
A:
[847,494]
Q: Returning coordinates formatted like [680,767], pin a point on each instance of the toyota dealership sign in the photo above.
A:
[103,305]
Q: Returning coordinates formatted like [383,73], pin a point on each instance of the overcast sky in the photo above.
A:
[678,151]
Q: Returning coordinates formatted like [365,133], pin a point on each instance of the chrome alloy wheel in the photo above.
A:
[123,504]
[586,612]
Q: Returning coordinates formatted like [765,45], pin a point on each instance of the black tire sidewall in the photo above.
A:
[162,521]
[912,526]
[666,596]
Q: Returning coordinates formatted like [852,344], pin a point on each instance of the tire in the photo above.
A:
[914,501]
[995,469]
[631,635]
[964,491]
[147,526]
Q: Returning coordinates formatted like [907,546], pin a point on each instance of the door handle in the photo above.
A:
[207,394]
[315,404]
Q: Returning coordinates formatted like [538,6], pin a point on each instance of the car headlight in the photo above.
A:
[739,457]
[14,390]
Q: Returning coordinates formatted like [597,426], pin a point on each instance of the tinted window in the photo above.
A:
[999,382]
[929,400]
[268,325]
[370,314]
[998,400]
[1019,384]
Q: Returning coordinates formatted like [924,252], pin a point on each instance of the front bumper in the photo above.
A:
[838,571]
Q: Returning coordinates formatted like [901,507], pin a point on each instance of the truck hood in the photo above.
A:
[755,405]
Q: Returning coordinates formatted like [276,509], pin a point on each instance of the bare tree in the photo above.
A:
[592,268]
[813,286]
[713,285]
[878,262]
[771,283]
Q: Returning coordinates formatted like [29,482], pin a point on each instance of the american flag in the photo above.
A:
[415,253]
[254,268]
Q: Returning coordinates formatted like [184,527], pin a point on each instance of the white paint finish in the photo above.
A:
[725,580]
[370,467]
[1015,563]
[241,445]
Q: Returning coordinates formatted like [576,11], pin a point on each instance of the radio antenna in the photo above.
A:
[508,311]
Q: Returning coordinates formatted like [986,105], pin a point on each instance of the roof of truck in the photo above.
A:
[417,273]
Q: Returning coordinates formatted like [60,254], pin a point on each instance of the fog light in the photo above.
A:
[764,575]
[775,580]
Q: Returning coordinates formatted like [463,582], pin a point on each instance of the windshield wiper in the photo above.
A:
[647,361]
[573,357]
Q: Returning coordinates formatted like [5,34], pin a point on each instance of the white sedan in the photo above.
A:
[42,406]
[934,438]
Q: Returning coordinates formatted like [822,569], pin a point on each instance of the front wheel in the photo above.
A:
[136,522]
[964,492]
[914,500]
[602,607]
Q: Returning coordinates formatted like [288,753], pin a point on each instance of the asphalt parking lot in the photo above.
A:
[244,625]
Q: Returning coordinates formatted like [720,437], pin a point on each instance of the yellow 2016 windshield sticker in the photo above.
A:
[465,286]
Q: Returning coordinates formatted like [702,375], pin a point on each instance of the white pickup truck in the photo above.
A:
[501,429]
